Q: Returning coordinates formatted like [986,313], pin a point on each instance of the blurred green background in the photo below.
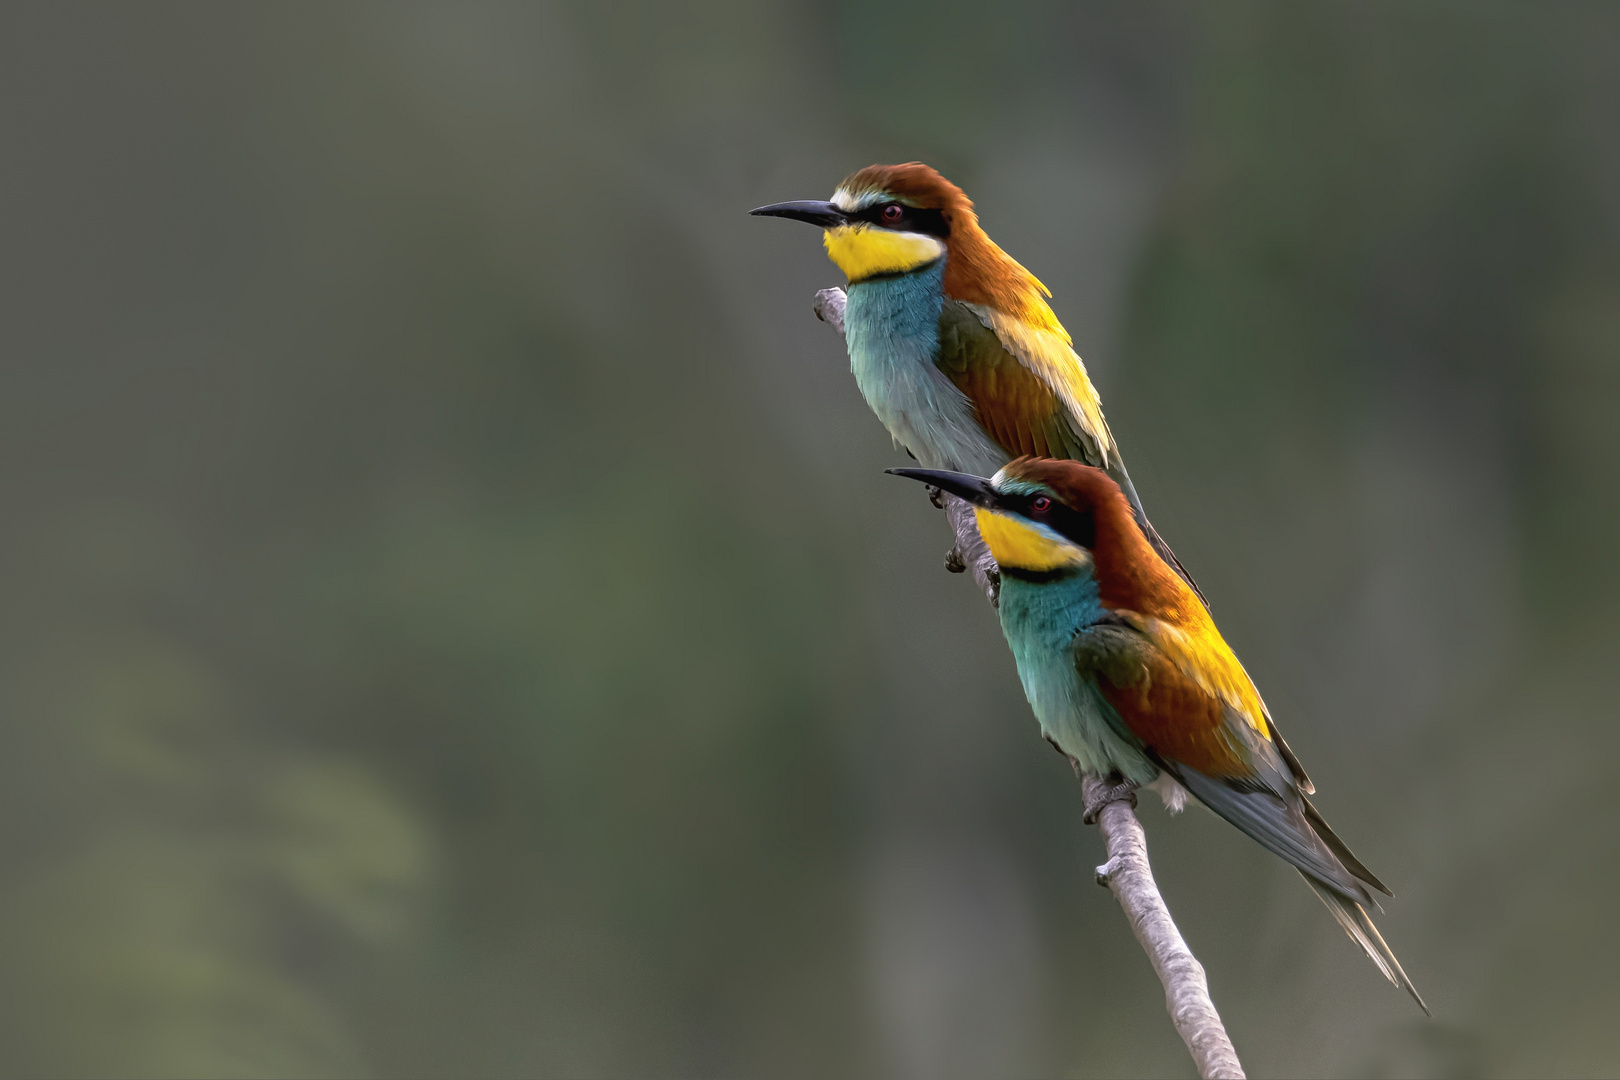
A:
[454,621]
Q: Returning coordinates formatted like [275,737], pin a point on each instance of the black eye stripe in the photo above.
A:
[1077,525]
[912,219]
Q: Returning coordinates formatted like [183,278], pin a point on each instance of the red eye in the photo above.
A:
[1041,504]
[892,214]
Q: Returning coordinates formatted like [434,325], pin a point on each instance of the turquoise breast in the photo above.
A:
[1040,620]
[891,326]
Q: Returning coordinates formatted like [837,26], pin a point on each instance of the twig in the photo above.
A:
[1126,873]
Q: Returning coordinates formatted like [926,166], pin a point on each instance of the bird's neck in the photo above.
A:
[977,271]
[1133,577]
[1041,613]
[891,323]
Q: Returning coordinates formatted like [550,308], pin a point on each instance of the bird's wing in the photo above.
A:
[1031,395]
[1201,721]
[1187,700]
[1042,347]
[1012,402]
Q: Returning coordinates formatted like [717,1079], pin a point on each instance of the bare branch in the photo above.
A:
[1186,990]
[1127,873]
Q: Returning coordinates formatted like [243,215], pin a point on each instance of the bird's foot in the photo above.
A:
[936,496]
[1115,788]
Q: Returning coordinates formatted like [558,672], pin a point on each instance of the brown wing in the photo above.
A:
[1223,758]
[1012,404]
[1174,717]
[1206,743]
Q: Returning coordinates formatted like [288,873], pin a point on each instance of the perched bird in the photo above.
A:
[951,341]
[1130,679]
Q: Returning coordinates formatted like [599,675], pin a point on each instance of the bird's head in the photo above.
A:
[1038,516]
[892,219]
[884,219]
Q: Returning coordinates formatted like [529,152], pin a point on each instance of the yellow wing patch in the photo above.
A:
[861,251]
[1025,547]
[1041,344]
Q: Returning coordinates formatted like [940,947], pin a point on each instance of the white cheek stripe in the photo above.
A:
[849,203]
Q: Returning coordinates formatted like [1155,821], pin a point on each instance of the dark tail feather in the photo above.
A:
[1353,917]
[1275,823]
[1292,829]
[1337,846]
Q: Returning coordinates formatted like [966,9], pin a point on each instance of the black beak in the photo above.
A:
[824,214]
[974,489]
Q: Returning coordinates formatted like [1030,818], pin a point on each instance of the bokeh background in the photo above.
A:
[454,621]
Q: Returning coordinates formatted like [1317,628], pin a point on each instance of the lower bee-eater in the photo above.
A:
[1130,678]
[951,341]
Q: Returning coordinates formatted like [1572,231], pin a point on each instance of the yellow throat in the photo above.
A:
[1022,546]
[861,251]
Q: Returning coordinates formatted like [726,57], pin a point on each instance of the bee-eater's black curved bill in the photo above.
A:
[974,489]
[824,214]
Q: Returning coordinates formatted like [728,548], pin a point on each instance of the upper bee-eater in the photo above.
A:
[1129,677]
[951,341]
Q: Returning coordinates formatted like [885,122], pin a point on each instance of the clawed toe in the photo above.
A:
[1116,789]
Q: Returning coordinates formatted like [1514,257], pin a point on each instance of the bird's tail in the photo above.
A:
[1353,917]
[1291,828]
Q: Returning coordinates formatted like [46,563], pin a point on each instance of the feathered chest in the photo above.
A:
[1040,622]
[891,325]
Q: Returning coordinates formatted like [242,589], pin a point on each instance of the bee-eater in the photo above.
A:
[951,341]
[1129,677]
